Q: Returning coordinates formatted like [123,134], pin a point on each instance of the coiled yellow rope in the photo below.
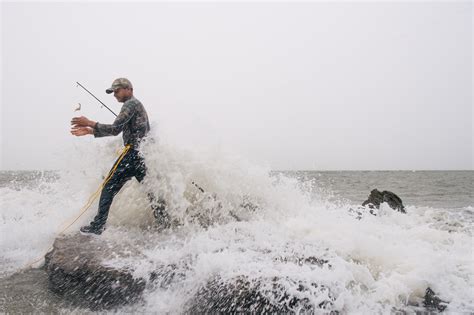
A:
[91,200]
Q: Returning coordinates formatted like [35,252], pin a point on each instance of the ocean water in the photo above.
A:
[379,264]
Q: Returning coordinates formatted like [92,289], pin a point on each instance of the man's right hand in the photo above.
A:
[81,131]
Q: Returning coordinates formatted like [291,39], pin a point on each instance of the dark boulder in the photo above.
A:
[376,198]
[256,296]
[433,302]
[77,270]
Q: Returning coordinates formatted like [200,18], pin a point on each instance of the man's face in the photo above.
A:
[121,94]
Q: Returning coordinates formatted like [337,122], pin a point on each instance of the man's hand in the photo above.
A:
[82,122]
[81,131]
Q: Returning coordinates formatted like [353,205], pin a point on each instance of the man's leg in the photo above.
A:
[111,188]
[107,196]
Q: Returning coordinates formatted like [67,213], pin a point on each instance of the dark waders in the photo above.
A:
[132,165]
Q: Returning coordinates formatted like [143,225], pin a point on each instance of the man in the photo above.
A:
[133,123]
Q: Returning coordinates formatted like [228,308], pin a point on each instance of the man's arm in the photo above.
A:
[126,113]
[83,126]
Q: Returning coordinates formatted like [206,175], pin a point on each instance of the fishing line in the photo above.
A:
[89,203]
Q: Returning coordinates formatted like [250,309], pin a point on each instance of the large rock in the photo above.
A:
[263,295]
[376,198]
[77,269]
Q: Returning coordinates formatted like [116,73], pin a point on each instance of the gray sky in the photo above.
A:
[313,85]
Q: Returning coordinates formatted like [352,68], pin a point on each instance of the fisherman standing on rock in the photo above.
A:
[133,122]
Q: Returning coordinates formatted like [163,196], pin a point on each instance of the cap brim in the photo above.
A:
[109,91]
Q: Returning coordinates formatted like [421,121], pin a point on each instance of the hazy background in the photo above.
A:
[310,85]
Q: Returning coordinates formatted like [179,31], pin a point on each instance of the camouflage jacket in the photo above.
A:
[132,121]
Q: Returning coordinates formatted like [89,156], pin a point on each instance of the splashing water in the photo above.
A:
[273,231]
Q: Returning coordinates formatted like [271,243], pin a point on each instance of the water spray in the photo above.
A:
[78,84]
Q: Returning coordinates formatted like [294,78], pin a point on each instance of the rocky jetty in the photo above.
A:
[81,270]
[376,198]
[78,269]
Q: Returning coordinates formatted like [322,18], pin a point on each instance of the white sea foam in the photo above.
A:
[377,263]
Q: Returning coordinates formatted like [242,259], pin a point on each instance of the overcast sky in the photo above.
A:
[312,85]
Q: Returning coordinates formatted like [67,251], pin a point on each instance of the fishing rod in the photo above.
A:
[78,84]
[198,187]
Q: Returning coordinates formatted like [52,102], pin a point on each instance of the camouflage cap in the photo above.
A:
[119,83]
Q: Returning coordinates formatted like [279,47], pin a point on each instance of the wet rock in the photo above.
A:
[262,295]
[78,270]
[166,275]
[433,302]
[376,198]
[300,261]
[26,293]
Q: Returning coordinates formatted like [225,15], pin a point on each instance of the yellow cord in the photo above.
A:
[91,200]
[94,196]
